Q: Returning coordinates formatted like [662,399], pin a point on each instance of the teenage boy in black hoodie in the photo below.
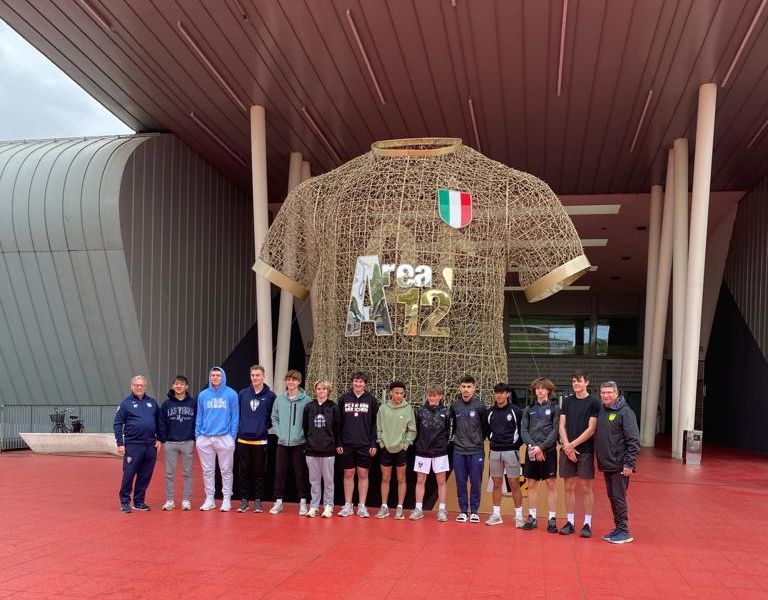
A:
[255,405]
[177,433]
[503,426]
[358,441]
[433,431]
[321,422]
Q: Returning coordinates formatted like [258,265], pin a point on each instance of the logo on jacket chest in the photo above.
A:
[255,404]
[319,421]
[356,408]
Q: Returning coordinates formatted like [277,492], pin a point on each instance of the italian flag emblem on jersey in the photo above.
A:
[455,208]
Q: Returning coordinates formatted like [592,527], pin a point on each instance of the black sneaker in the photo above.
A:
[530,523]
[567,529]
[243,506]
[257,506]
[610,534]
[586,531]
[140,506]
[125,508]
[552,525]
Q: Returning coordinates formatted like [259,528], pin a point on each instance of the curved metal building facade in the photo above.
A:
[113,262]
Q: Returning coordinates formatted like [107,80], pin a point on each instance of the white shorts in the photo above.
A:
[439,464]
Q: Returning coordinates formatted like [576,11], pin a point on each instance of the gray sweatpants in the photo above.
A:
[172,451]
[320,467]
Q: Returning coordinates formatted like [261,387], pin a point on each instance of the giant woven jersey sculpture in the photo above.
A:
[406,249]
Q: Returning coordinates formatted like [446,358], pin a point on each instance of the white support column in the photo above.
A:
[679,278]
[285,316]
[304,307]
[654,239]
[702,173]
[648,430]
[260,225]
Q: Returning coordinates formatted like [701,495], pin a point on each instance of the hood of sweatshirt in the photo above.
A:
[223,379]
[620,402]
[403,404]
[301,395]
[171,395]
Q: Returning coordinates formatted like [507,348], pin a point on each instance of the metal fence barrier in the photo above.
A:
[36,418]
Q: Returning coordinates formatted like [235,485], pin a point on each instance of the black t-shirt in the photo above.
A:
[577,413]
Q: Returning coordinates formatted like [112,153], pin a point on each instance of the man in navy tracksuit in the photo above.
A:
[136,435]
[255,420]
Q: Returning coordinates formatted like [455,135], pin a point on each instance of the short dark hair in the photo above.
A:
[467,379]
[396,384]
[181,378]
[360,375]
[580,374]
[501,387]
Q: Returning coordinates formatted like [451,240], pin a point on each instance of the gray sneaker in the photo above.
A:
[346,511]
[243,506]
[441,516]
[494,520]
[399,513]
[362,512]
[416,514]
[257,507]
[303,507]
[383,512]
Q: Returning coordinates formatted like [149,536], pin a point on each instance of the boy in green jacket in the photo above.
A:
[395,431]
[287,419]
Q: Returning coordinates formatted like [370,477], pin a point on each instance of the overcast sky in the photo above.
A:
[39,101]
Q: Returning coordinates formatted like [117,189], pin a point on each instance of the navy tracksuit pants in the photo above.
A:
[468,466]
[138,463]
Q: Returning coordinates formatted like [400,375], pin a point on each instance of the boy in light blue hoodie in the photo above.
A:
[287,419]
[215,430]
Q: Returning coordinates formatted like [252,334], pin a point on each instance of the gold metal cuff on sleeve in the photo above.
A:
[282,281]
[557,279]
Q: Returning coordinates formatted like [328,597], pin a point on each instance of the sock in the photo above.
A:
[588,520]
[302,501]
[552,514]
[532,512]
[384,505]
[399,506]
[518,512]
[572,518]
[418,505]
[497,511]
[441,506]
[279,501]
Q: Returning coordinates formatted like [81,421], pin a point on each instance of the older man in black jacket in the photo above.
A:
[617,444]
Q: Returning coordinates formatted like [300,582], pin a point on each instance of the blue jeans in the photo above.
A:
[469,466]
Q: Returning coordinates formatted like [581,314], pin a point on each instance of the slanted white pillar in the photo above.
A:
[285,315]
[648,430]
[260,225]
[679,277]
[702,173]
[305,307]
[654,239]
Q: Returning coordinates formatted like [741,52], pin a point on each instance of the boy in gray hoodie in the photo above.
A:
[287,419]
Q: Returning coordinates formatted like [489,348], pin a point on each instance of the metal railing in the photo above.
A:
[36,418]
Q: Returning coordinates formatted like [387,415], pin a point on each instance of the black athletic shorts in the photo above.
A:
[541,469]
[583,469]
[355,456]
[389,459]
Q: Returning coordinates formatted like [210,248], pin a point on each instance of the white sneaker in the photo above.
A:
[399,513]
[462,518]
[346,511]
[416,514]
[519,522]
[441,516]
[303,508]
[362,512]
[186,505]
[328,511]
[209,504]
[226,505]
[277,508]
[494,520]
[311,513]
[383,512]
[169,505]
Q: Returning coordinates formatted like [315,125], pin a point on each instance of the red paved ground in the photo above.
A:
[699,534]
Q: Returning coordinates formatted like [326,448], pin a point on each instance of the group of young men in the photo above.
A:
[312,433]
